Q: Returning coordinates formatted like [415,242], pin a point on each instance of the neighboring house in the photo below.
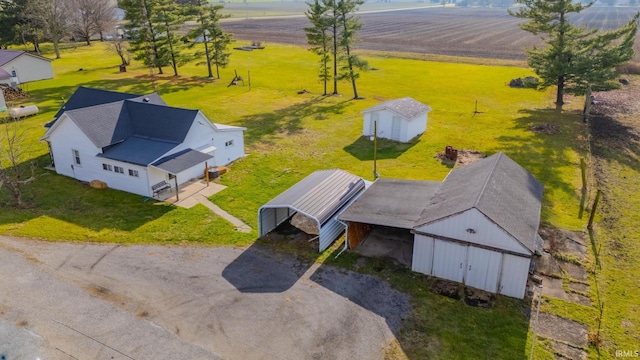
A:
[23,67]
[136,143]
[400,120]
[478,227]
[320,197]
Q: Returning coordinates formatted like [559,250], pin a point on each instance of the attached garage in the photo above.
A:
[477,227]
[319,197]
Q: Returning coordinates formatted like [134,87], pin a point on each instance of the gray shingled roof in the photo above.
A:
[390,202]
[406,107]
[320,195]
[181,161]
[111,123]
[137,150]
[499,188]
[85,97]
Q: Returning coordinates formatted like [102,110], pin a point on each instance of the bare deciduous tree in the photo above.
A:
[13,151]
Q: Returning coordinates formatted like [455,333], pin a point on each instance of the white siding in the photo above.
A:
[422,260]
[415,127]
[483,269]
[329,232]
[515,271]
[64,140]
[486,232]
[203,134]
[449,260]
[408,128]
[270,218]
[29,68]
[125,182]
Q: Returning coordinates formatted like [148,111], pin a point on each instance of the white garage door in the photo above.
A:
[449,260]
[483,269]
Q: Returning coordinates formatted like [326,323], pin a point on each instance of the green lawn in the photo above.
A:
[290,135]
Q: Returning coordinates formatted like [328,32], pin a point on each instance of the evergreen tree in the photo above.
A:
[168,17]
[145,42]
[214,38]
[350,25]
[319,37]
[574,58]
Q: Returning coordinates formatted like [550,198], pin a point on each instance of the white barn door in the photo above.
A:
[396,125]
[483,269]
[449,260]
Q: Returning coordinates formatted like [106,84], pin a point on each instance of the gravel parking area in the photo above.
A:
[89,301]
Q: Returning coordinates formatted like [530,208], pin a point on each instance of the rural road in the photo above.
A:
[90,301]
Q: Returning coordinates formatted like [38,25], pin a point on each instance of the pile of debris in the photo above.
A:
[453,157]
[527,82]
[545,128]
[11,94]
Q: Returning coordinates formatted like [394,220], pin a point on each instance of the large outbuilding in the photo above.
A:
[478,227]
[319,197]
[400,119]
[19,67]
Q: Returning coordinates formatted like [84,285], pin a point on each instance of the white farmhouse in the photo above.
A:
[400,120]
[136,143]
[19,67]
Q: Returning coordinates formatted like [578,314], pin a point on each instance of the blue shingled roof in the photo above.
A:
[138,150]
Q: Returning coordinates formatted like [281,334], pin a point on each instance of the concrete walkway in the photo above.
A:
[198,193]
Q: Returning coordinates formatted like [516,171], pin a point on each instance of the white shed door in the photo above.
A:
[396,124]
[449,260]
[514,275]
[483,269]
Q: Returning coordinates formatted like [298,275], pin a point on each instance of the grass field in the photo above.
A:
[290,135]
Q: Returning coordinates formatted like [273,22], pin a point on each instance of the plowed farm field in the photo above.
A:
[468,32]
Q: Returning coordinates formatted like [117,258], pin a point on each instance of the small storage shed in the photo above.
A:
[400,119]
[24,67]
[320,197]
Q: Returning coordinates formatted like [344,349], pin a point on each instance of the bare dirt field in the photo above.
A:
[468,32]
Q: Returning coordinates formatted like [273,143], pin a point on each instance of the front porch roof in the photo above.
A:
[181,161]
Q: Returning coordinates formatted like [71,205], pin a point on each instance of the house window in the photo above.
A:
[107,167]
[228,143]
[14,73]
[76,157]
[133,173]
[118,169]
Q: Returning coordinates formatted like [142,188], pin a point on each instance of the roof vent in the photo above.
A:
[146,99]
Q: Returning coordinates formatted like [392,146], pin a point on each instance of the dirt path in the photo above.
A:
[87,301]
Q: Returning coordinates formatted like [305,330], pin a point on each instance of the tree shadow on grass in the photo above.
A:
[288,120]
[613,140]
[544,154]
[71,201]
[362,149]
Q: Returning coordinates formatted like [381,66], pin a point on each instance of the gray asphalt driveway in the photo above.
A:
[86,301]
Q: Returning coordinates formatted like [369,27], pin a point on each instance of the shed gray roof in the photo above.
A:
[320,195]
[406,107]
[499,188]
[390,202]
[181,161]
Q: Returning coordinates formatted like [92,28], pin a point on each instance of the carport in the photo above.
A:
[320,197]
[380,221]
